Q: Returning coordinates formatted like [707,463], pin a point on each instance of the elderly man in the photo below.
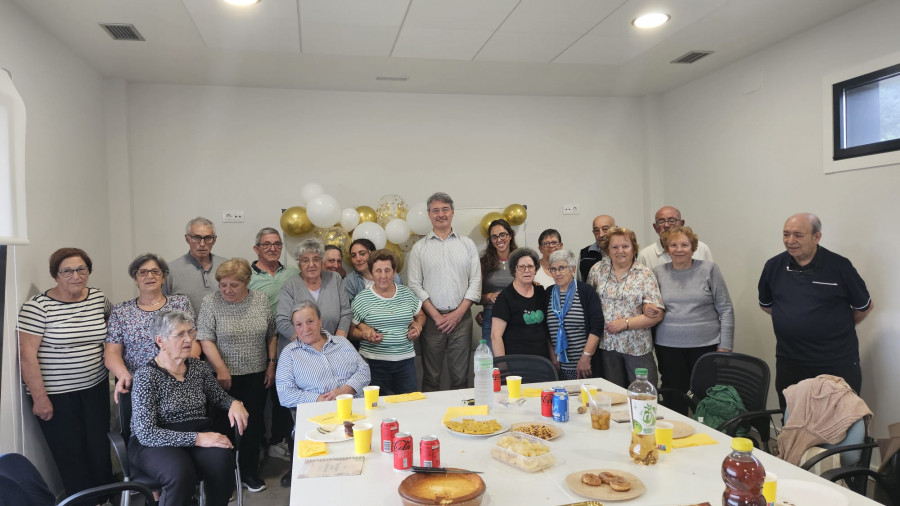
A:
[445,273]
[592,253]
[333,261]
[816,298]
[194,273]
[654,255]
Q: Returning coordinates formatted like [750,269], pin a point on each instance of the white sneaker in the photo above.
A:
[280,451]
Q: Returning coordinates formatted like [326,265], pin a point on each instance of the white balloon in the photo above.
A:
[397,231]
[349,219]
[371,231]
[418,219]
[323,211]
[309,191]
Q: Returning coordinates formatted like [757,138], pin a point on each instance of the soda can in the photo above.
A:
[389,427]
[560,407]
[559,389]
[430,451]
[547,402]
[403,451]
[496,375]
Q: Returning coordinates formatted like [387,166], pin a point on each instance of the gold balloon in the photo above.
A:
[391,207]
[295,222]
[336,236]
[515,214]
[486,221]
[319,233]
[398,253]
[366,213]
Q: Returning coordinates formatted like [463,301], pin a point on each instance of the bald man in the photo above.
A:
[654,255]
[816,298]
[592,253]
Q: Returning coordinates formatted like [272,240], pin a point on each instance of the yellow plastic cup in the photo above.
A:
[371,393]
[770,487]
[514,386]
[362,438]
[664,433]
[584,395]
[344,406]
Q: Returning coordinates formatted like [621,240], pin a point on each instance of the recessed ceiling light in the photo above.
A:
[651,20]
[242,2]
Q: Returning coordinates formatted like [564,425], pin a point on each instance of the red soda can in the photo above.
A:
[547,402]
[430,451]
[403,451]
[389,427]
[496,374]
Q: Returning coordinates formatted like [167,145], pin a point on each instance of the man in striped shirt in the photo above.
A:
[444,272]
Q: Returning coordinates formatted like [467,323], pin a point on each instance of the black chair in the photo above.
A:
[532,368]
[125,488]
[887,483]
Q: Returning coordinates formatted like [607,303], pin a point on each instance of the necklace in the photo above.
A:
[151,304]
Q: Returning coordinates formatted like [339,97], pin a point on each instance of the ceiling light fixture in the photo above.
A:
[651,20]
[242,3]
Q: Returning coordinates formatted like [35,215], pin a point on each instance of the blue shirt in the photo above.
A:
[304,373]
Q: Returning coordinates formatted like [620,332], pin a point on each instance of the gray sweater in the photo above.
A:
[333,302]
[698,307]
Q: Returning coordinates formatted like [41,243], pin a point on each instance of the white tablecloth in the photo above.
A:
[684,476]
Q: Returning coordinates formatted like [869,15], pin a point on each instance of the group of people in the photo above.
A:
[314,332]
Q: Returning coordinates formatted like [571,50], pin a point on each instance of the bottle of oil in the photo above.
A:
[642,408]
[743,475]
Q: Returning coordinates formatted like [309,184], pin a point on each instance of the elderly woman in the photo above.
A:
[699,316]
[129,344]
[63,329]
[519,324]
[333,261]
[171,435]
[318,366]
[314,284]
[236,330]
[624,286]
[548,242]
[574,318]
[361,278]
[388,317]
[495,272]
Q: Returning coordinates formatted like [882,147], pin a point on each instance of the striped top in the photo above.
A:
[304,373]
[72,334]
[445,270]
[389,316]
[573,322]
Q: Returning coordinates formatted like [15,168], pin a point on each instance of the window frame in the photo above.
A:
[838,92]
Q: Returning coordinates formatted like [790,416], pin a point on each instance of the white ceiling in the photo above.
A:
[535,47]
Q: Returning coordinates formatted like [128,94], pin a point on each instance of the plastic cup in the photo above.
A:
[344,406]
[514,386]
[770,487]
[584,395]
[371,394]
[362,438]
[600,412]
[664,432]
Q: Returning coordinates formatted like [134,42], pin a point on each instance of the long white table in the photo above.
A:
[684,476]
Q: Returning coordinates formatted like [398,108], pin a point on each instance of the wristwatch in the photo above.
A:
[272,360]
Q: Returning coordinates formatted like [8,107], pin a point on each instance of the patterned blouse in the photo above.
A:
[240,330]
[623,299]
[129,325]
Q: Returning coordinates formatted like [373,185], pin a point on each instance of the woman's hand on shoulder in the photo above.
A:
[238,415]
[212,440]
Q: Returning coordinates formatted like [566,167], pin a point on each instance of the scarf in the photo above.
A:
[561,342]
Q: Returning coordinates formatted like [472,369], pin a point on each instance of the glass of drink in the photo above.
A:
[601,406]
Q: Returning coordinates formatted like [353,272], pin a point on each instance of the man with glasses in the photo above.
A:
[592,253]
[816,299]
[445,273]
[193,274]
[654,254]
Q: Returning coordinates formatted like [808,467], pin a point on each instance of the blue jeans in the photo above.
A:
[486,326]
[393,377]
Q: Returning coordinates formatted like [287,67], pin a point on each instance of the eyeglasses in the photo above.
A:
[501,235]
[554,270]
[441,210]
[667,221]
[197,239]
[307,260]
[271,245]
[143,273]
[550,244]
[67,273]
[524,268]
[184,334]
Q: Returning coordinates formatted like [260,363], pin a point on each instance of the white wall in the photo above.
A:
[66,193]
[737,165]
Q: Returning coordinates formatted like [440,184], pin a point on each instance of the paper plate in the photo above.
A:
[477,418]
[336,436]
[603,492]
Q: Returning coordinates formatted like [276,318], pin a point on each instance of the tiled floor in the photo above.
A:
[271,470]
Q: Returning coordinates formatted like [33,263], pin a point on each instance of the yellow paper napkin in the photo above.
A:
[531,392]
[458,411]
[698,439]
[332,419]
[412,396]
[307,448]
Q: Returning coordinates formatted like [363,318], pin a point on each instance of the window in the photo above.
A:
[867,114]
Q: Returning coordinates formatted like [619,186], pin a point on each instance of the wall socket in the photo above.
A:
[570,209]
[233,216]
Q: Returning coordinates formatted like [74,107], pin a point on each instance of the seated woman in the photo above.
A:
[519,326]
[574,318]
[317,366]
[171,435]
[388,317]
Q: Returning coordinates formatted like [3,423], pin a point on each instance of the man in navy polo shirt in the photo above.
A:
[816,298]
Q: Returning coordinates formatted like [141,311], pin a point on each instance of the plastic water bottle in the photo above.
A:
[642,408]
[743,475]
[484,381]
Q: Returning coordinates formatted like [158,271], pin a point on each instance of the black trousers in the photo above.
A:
[789,373]
[282,422]
[677,364]
[249,389]
[179,469]
[77,438]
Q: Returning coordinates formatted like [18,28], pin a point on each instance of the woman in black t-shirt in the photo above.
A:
[519,325]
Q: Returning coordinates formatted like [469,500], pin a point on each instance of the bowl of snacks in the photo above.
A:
[528,453]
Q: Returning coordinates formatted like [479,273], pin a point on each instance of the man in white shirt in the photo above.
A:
[653,255]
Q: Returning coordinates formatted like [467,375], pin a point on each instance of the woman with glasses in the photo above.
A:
[61,334]
[495,272]
[548,242]
[361,277]
[519,324]
[129,344]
